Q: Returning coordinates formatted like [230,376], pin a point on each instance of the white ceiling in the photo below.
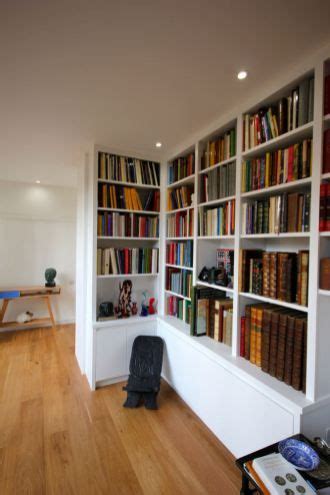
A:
[129,73]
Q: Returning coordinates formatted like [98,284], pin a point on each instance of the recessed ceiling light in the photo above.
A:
[158,145]
[242,74]
[37,181]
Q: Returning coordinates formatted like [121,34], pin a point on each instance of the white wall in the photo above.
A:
[37,231]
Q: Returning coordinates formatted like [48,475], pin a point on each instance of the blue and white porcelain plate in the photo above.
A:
[300,454]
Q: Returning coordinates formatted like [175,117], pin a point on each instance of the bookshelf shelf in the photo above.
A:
[181,267]
[118,322]
[104,237]
[324,234]
[293,185]
[189,238]
[323,292]
[276,302]
[128,184]
[326,118]
[284,235]
[216,201]
[127,275]
[178,210]
[325,176]
[215,237]
[302,132]
[171,293]
[214,286]
[186,180]
[123,210]
[220,164]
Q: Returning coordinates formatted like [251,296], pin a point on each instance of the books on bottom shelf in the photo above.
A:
[277,214]
[211,314]
[113,261]
[179,307]
[275,340]
[217,221]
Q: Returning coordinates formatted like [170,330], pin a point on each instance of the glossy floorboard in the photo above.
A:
[57,437]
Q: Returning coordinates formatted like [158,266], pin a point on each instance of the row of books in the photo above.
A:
[325,207]
[127,198]
[287,114]
[278,275]
[127,169]
[326,151]
[181,167]
[278,167]
[179,281]
[218,183]
[218,221]
[127,261]
[180,253]
[127,225]
[180,197]
[181,224]
[176,306]
[275,339]
[218,150]
[277,214]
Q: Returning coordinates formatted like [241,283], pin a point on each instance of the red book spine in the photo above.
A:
[126,258]
[323,206]
[327,221]
[290,164]
[326,151]
[242,340]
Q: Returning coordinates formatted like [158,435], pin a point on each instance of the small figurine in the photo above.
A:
[24,317]
[50,275]
[151,308]
[124,300]
[144,307]
[106,309]
[134,308]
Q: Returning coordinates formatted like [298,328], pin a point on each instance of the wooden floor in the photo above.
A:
[58,437]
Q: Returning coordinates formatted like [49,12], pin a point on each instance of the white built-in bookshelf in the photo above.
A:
[200,366]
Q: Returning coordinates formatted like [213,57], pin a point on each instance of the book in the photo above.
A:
[217,221]
[113,224]
[179,197]
[219,149]
[181,167]
[179,281]
[325,274]
[218,183]
[180,224]
[118,168]
[327,95]
[180,253]
[326,151]
[126,261]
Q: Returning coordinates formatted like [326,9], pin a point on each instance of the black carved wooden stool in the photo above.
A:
[145,368]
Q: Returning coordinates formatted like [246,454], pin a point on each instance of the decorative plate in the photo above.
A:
[300,454]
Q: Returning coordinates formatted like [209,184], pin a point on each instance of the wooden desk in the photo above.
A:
[33,292]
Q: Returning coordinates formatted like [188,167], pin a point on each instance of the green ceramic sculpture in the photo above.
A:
[50,275]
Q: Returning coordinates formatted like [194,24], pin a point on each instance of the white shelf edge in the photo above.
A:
[278,187]
[325,176]
[171,293]
[324,234]
[127,275]
[283,235]
[189,238]
[215,237]
[276,302]
[217,165]
[105,237]
[128,184]
[123,210]
[214,286]
[283,138]
[123,321]
[323,292]
[185,208]
[326,117]
[216,201]
[180,267]
[190,179]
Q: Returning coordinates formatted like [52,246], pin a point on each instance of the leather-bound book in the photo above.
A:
[288,360]
[253,334]
[247,331]
[327,95]
[266,274]
[273,275]
[303,102]
[265,338]
[304,359]
[283,116]
[273,342]
[325,274]
[258,334]
[282,276]
[242,337]
[304,278]
[326,150]
[210,326]
[298,353]
[281,344]
[293,199]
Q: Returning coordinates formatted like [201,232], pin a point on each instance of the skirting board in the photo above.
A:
[33,327]
[111,381]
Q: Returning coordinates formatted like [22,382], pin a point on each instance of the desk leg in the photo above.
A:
[3,309]
[50,312]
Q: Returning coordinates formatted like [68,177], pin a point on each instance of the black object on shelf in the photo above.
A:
[145,368]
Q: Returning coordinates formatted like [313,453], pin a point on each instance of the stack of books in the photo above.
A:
[278,275]
[180,197]
[179,281]
[127,198]
[127,169]
[180,253]
[112,261]
[325,207]
[180,224]
[287,114]
[275,339]
[218,150]
[278,167]
[126,225]
[277,214]
[181,168]
[218,183]
[175,306]
[217,221]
